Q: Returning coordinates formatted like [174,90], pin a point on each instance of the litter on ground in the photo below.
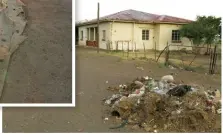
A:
[163,106]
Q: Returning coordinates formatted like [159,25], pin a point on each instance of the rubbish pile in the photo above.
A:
[164,106]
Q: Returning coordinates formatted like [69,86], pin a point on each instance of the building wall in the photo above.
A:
[103,26]
[156,36]
[165,35]
[121,32]
[133,33]
[82,42]
[106,27]
[117,31]
[149,44]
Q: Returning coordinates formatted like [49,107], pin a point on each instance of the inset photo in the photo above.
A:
[35,52]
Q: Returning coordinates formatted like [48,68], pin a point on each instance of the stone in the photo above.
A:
[167,78]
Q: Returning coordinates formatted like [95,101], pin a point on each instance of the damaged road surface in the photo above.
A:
[164,106]
[12,25]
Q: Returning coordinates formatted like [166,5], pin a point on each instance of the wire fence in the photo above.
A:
[191,58]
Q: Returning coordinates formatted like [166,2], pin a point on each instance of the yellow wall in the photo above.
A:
[138,36]
[165,35]
[103,26]
[121,31]
[156,36]
[116,31]
[133,33]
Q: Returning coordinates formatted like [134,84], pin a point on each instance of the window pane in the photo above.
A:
[147,31]
[147,38]
[145,34]
[143,37]
[175,35]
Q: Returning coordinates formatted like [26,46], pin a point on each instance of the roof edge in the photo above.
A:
[125,21]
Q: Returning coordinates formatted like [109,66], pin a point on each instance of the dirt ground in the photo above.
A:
[92,72]
[41,68]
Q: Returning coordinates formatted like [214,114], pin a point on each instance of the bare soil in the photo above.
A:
[41,68]
[92,72]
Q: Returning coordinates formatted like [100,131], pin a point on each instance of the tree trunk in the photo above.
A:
[208,49]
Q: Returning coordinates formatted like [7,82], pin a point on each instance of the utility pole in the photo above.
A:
[98,28]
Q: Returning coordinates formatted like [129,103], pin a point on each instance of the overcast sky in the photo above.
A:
[188,9]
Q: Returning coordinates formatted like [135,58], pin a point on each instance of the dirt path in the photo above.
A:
[92,73]
[40,69]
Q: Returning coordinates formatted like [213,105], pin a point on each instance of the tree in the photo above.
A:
[194,32]
[203,30]
[212,29]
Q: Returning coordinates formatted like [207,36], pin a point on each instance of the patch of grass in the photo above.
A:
[161,65]
[143,58]
[194,68]
[116,51]
[189,68]
[175,65]
[186,67]
[200,68]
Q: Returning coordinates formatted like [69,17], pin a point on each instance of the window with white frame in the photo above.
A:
[103,35]
[82,35]
[145,34]
[176,36]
